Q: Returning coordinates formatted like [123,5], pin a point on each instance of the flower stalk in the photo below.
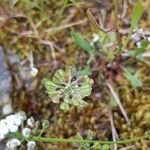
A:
[69,141]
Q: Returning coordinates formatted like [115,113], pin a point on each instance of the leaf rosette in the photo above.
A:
[68,88]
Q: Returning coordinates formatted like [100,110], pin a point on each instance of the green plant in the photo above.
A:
[99,46]
[133,78]
[68,86]
[39,5]
[136,15]
[137,52]
[82,43]
[87,146]
[29,131]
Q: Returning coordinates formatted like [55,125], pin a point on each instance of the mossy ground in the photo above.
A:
[36,27]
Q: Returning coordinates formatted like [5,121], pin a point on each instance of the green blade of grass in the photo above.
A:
[81,42]
[136,15]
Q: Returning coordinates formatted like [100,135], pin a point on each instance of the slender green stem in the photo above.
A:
[62,140]
[69,141]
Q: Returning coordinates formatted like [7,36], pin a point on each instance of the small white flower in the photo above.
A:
[31,145]
[136,37]
[10,119]
[26,132]
[7,109]
[3,122]
[4,130]
[12,144]
[13,128]
[95,37]
[148,38]
[30,122]
[140,30]
[21,115]
[33,71]
[17,121]
[13,121]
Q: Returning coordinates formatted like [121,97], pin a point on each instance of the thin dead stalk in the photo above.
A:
[113,129]
[116,12]
[116,98]
[125,7]
[66,26]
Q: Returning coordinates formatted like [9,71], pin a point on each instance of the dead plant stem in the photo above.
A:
[116,12]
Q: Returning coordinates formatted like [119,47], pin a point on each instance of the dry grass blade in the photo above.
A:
[116,98]
[113,129]
[100,26]
[66,26]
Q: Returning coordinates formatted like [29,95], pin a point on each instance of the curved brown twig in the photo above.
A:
[100,26]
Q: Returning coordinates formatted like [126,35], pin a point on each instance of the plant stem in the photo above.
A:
[61,140]
[61,12]
[116,12]
[113,129]
[116,98]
